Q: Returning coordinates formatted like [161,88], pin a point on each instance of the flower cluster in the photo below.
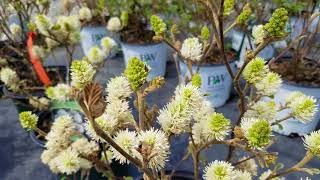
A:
[257,132]
[312,143]
[28,120]
[277,23]
[228,7]
[81,73]
[64,155]
[224,170]
[60,92]
[10,78]
[257,73]
[192,49]
[117,113]
[303,107]
[258,33]
[262,110]
[85,14]
[96,55]
[176,116]
[136,72]
[245,14]
[114,24]
[157,24]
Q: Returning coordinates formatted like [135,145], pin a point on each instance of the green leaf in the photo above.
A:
[128,178]
[278,166]
[74,138]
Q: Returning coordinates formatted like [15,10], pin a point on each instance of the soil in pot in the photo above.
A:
[304,73]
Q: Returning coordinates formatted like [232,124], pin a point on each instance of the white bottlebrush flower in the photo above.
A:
[109,46]
[81,73]
[60,92]
[127,140]
[216,127]
[303,107]
[203,112]
[38,51]
[84,147]
[8,76]
[16,30]
[59,136]
[255,70]
[157,147]
[47,155]
[312,143]
[248,165]
[69,23]
[258,33]
[118,88]
[68,162]
[192,49]
[218,170]
[175,117]
[241,175]
[105,122]
[190,94]
[119,110]
[85,14]
[269,84]
[262,110]
[43,23]
[96,56]
[114,24]
[257,132]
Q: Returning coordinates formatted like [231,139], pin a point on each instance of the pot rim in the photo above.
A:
[141,45]
[209,65]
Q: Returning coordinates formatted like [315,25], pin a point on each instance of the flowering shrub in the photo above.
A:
[114,133]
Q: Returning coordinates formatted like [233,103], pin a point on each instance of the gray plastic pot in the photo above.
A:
[91,36]
[154,55]
[216,81]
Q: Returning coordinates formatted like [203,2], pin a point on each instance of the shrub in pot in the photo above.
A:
[298,65]
[93,17]
[138,140]
[203,55]
[136,37]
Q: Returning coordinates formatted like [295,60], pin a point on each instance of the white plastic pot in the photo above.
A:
[292,125]
[216,81]
[154,55]
[91,36]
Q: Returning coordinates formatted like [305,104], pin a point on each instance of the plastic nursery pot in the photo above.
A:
[44,123]
[21,101]
[91,36]
[293,126]
[216,81]
[154,55]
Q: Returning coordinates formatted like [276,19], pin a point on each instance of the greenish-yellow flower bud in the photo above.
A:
[228,7]
[157,24]
[255,70]
[28,120]
[277,23]
[245,14]
[136,73]
[196,80]
[205,33]
[124,18]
